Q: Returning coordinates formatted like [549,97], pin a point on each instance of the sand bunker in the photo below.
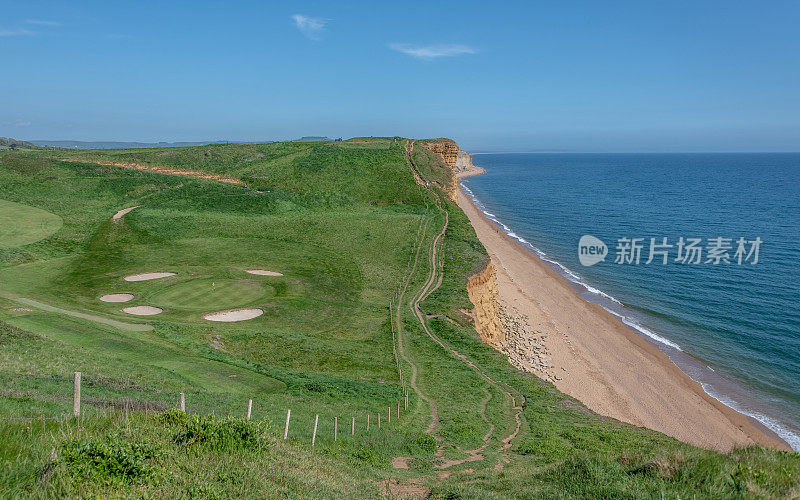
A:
[147,276]
[118,215]
[234,315]
[262,272]
[142,310]
[117,297]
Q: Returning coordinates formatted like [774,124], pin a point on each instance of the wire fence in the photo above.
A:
[295,426]
[159,401]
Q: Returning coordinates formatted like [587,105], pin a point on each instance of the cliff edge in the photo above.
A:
[482,291]
[481,286]
[446,148]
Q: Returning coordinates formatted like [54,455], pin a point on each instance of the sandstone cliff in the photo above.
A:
[482,290]
[448,151]
[482,286]
[446,148]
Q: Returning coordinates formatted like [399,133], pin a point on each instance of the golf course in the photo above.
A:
[326,278]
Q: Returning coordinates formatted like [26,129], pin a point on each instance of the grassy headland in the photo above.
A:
[350,230]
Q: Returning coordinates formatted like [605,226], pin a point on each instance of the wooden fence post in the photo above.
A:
[353,427]
[182,402]
[389,414]
[286,430]
[76,395]
[314,435]
[367,421]
[249,408]
[379,420]
[335,427]
[406,400]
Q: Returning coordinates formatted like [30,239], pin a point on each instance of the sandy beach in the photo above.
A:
[589,354]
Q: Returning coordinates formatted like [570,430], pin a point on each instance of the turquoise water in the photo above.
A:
[733,328]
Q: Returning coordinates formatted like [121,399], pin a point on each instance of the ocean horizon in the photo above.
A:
[717,296]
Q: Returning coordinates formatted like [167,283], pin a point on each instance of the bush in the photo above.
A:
[112,457]
[219,433]
[174,417]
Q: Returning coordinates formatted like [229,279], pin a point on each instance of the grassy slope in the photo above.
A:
[340,221]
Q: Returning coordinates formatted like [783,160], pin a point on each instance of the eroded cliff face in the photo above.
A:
[445,148]
[482,286]
[448,151]
[463,161]
[482,290]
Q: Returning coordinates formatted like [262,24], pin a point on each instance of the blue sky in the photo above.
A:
[513,76]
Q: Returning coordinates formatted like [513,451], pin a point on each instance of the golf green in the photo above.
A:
[23,224]
[209,294]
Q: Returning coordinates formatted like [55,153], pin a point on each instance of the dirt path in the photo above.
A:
[421,231]
[432,283]
[197,174]
[428,288]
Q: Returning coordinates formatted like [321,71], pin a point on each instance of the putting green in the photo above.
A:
[23,224]
[209,294]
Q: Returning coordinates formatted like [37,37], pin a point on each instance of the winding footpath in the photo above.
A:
[432,283]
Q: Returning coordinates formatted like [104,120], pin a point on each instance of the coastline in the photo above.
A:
[588,353]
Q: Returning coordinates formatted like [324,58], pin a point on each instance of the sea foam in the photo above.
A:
[787,435]
[721,314]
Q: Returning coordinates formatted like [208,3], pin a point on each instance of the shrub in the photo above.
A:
[361,454]
[174,417]
[109,458]
[220,433]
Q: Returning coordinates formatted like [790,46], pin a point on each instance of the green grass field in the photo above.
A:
[208,294]
[22,224]
[349,228]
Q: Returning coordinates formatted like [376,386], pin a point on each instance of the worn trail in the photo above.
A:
[432,283]
[197,174]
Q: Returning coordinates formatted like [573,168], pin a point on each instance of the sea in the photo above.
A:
[725,306]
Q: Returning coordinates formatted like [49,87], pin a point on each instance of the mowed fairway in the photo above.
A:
[337,221]
[209,294]
[22,224]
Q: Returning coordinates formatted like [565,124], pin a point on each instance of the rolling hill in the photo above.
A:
[361,306]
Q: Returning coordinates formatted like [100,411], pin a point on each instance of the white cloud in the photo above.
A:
[26,32]
[4,32]
[42,22]
[16,123]
[310,26]
[431,51]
